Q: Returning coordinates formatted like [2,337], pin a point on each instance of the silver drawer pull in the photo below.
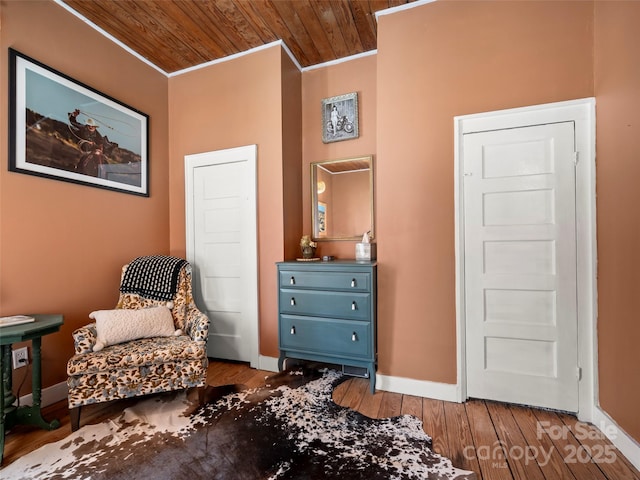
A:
[354,337]
[292,281]
[293,330]
[353,282]
[354,305]
[293,302]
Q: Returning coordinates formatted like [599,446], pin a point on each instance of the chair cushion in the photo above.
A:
[124,325]
[131,382]
[137,353]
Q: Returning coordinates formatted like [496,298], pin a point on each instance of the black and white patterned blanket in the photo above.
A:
[153,276]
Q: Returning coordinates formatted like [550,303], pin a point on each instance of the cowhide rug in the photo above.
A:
[290,429]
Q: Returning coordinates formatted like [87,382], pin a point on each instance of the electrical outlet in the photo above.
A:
[20,357]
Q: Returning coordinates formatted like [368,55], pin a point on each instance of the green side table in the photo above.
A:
[11,415]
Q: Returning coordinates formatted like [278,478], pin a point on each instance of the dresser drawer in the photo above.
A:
[342,338]
[355,306]
[347,281]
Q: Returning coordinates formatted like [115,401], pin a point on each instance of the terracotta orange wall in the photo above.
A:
[617,89]
[292,166]
[61,244]
[437,61]
[358,75]
[231,104]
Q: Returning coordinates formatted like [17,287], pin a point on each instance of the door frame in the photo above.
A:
[582,113]
[247,154]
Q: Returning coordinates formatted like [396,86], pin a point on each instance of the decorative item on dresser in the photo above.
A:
[327,313]
[308,248]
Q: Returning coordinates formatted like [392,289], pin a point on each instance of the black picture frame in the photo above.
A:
[62,129]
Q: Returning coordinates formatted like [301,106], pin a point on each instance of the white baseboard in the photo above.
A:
[623,441]
[54,393]
[270,364]
[421,388]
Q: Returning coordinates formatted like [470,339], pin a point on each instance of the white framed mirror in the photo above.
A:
[342,198]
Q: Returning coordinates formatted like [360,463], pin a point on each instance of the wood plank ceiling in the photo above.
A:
[178,34]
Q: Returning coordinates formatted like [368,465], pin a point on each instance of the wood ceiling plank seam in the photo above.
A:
[371,19]
[216,39]
[365,24]
[325,14]
[229,9]
[118,23]
[142,12]
[254,18]
[346,24]
[193,20]
[97,13]
[289,14]
[209,42]
[377,5]
[309,17]
[275,22]
[182,31]
[297,37]
[227,31]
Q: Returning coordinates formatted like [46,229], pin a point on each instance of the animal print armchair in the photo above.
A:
[155,339]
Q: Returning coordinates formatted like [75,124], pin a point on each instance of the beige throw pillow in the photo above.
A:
[123,325]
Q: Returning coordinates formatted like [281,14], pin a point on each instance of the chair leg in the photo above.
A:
[74,414]
[201,392]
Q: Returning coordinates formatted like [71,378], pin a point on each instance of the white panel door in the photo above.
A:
[520,265]
[223,249]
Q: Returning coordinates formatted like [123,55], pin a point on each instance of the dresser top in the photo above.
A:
[320,263]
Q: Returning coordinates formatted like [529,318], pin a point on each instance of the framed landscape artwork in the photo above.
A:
[322,219]
[62,129]
[340,118]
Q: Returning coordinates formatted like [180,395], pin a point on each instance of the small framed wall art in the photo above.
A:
[340,118]
[322,219]
[62,129]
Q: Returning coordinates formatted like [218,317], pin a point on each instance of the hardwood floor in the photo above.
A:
[495,440]
[500,441]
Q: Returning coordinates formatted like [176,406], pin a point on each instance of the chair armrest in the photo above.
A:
[197,324]
[84,338]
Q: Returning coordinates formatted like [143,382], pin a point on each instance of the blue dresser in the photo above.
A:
[327,313]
